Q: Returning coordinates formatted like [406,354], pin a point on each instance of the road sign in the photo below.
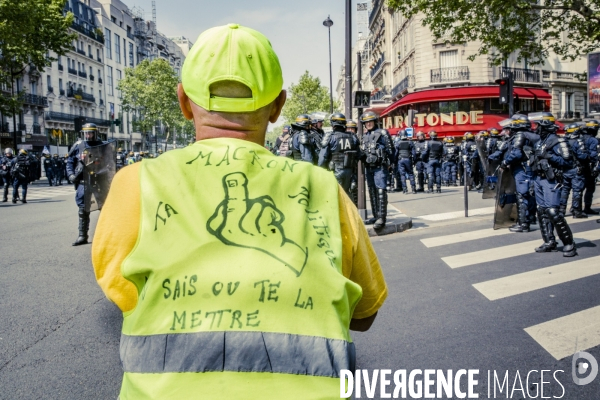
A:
[362,99]
[409,132]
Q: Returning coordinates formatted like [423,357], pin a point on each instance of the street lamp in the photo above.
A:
[328,23]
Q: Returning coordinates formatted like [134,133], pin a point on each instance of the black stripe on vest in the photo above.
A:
[237,352]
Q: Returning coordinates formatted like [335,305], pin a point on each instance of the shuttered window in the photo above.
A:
[449,59]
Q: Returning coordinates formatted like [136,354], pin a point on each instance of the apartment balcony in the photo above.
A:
[101,102]
[400,88]
[569,115]
[82,74]
[99,59]
[91,77]
[61,67]
[80,95]
[36,129]
[64,117]
[97,121]
[130,35]
[94,34]
[100,80]
[72,71]
[381,94]
[563,76]
[61,92]
[22,127]
[521,74]
[377,67]
[35,100]
[452,74]
[50,89]
[374,11]
[81,51]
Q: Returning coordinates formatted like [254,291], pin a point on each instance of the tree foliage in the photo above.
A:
[529,29]
[306,97]
[150,90]
[29,30]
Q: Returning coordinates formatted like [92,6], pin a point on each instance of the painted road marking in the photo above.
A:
[513,250]
[564,336]
[541,278]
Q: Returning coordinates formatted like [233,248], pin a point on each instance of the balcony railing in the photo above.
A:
[99,59]
[82,74]
[569,115]
[404,84]
[91,77]
[376,5]
[80,95]
[63,117]
[4,127]
[130,35]
[35,100]
[379,95]
[81,51]
[378,65]
[452,74]
[100,80]
[101,102]
[521,74]
[36,129]
[61,92]
[50,89]
[72,71]
[61,67]
[22,127]
[97,36]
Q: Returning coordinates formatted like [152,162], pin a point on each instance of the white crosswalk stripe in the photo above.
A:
[36,192]
[561,337]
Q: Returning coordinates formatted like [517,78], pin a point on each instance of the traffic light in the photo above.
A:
[79,122]
[505,90]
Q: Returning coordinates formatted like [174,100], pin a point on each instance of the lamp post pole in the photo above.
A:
[348,77]
[328,23]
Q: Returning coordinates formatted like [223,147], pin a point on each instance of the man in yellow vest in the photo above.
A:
[239,273]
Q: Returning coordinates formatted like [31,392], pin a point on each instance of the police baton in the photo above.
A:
[466,186]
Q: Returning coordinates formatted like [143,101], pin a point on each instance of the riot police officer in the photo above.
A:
[515,156]
[5,166]
[376,151]
[57,170]
[434,165]
[551,157]
[589,137]
[451,160]
[48,169]
[20,172]
[405,154]
[131,159]
[469,148]
[120,158]
[339,151]
[574,178]
[303,145]
[75,171]
[316,132]
[421,159]
[352,127]
[491,142]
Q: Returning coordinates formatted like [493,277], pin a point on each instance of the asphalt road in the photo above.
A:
[59,336]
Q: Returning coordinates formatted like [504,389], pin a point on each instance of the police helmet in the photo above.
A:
[369,116]
[432,134]
[120,149]
[286,128]
[468,135]
[90,128]
[516,122]
[494,132]
[483,133]
[351,124]
[544,118]
[23,151]
[338,119]
[131,154]
[403,135]
[592,126]
[302,121]
[420,135]
[449,139]
[317,117]
[573,129]
[8,150]
[55,155]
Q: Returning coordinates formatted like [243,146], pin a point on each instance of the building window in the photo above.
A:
[60,85]
[131,54]
[449,59]
[119,77]
[107,43]
[117,48]
[124,51]
[99,75]
[48,82]
[109,81]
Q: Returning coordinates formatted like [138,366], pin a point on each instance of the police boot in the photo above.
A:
[5,197]
[24,201]
[548,237]
[533,220]
[382,208]
[430,184]
[420,179]
[84,225]
[373,198]
[588,210]
[577,213]
[563,231]
[522,224]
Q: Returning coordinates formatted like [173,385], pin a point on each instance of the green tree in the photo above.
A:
[306,97]
[529,29]
[29,30]
[150,90]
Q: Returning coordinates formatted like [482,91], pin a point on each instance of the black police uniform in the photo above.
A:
[340,153]
[405,154]
[451,160]
[48,169]
[20,172]
[592,144]
[434,164]
[421,160]
[5,166]
[574,179]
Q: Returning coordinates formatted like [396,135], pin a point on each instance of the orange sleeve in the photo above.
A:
[116,235]
[359,261]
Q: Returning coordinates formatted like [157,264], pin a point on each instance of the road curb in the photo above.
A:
[394,226]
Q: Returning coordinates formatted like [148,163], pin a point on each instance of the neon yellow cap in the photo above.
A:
[232,53]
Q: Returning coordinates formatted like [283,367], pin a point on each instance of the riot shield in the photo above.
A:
[482,151]
[99,164]
[505,214]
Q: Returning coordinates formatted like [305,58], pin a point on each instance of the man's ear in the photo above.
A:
[184,103]
[277,106]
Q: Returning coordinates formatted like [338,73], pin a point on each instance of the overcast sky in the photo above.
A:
[295,28]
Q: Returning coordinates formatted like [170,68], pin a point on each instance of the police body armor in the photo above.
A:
[451,152]
[436,150]
[374,155]
[404,150]
[541,166]
[303,139]
[344,155]
[420,148]
[581,167]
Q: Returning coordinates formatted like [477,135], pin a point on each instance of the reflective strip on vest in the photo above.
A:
[237,352]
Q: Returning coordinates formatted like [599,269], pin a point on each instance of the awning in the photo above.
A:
[462,93]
